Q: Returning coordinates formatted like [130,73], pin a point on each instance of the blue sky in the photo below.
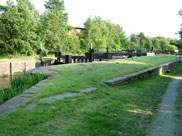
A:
[153,17]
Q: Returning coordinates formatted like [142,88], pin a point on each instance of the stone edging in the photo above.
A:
[143,74]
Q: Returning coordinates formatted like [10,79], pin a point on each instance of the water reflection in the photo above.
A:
[4,82]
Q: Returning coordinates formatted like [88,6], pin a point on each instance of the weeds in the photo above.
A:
[18,84]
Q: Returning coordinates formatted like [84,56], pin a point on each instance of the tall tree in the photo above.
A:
[156,43]
[148,43]
[134,38]
[180,32]
[54,25]
[103,34]
[18,29]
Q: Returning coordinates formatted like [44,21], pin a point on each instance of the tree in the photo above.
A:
[163,44]
[103,34]
[54,25]
[18,29]
[73,44]
[135,39]
[95,33]
[155,43]
[142,40]
[148,43]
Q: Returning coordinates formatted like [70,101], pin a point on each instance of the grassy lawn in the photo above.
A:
[111,111]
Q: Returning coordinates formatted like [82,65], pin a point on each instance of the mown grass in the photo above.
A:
[111,111]
[77,77]
[18,84]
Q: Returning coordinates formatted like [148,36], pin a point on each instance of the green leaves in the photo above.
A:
[103,34]
[143,42]
[18,29]
[53,25]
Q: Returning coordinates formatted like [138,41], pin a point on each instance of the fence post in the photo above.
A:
[107,52]
[107,49]
[91,56]
[41,60]
[59,55]
[68,59]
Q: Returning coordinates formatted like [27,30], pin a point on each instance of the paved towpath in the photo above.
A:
[164,123]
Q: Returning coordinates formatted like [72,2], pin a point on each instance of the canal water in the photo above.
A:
[4,82]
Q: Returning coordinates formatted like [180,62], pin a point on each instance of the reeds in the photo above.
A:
[18,84]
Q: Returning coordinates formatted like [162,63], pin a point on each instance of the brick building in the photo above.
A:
[77,31]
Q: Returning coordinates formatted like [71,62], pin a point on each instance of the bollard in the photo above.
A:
[59,55]
[91,56]
[68,59]
[41,60]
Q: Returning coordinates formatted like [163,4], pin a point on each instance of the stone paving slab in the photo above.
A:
[26,95]
[57,97]
[60,96]
[88,90]
[12,104]
[42,83]
[33,89]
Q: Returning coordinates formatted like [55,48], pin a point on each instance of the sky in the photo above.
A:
[153,17]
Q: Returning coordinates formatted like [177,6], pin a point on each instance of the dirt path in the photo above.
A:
[164,124]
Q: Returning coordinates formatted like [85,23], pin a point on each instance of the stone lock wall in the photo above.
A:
[4,69]
[11,68]
[143,74]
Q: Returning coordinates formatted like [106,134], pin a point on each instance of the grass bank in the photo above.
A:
[18,84]
[126,110]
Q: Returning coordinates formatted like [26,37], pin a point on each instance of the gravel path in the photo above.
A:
[164,124]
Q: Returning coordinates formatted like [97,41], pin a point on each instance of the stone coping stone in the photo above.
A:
[33,89]
[42,83]
[26,95]
[143,74]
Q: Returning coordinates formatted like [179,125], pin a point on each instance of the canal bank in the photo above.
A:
[14,67]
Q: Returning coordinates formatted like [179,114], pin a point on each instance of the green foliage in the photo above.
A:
[23,30]
[176,42]
[18,29]
[156,43]
[180,32]
[18,84]
[73,45]
[143,42]
[103,34]
[53,25]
